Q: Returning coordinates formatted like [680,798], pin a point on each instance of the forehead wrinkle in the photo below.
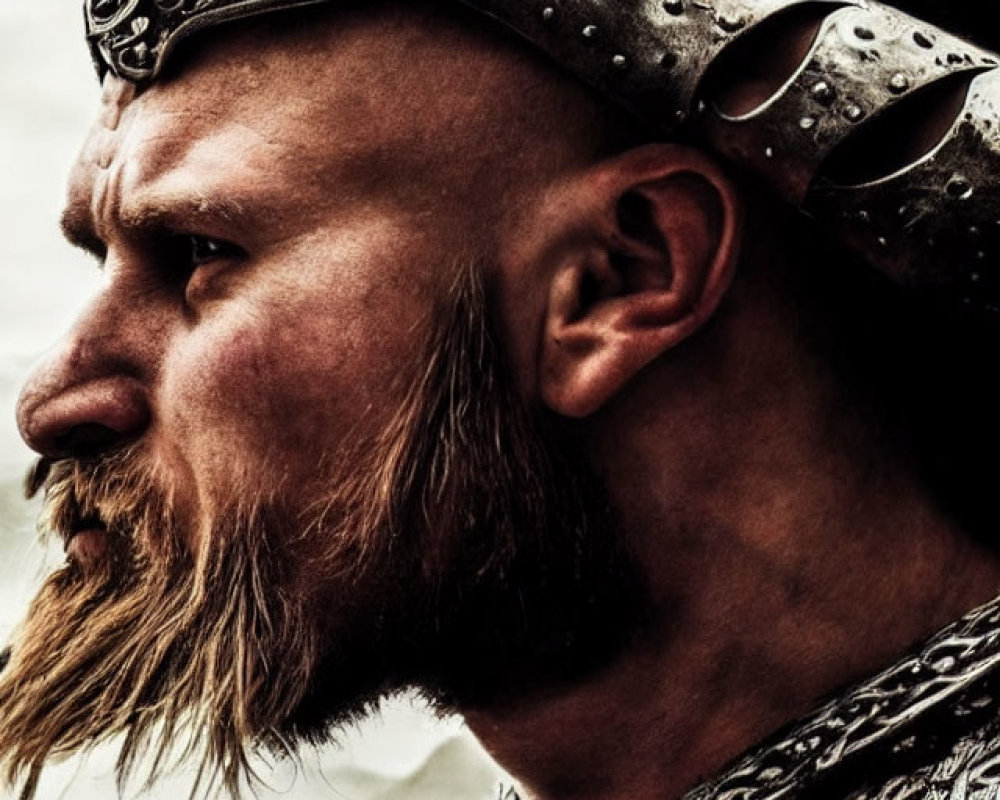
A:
[196,165]
[160,141]
[104,199]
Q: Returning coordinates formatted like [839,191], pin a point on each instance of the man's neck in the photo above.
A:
[787,553]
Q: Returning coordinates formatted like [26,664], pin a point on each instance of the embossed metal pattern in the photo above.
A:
[936,221]
[926,727]
[133,38]
[864,61]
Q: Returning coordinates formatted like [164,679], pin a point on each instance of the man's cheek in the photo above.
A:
[238,394]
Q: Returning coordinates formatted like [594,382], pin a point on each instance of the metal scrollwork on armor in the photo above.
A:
[133,38]
[864,61]
[926,727]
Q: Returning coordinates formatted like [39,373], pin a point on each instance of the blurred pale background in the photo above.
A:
[47,94]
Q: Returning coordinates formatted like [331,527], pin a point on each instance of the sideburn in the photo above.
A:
[496,562]
[543,590]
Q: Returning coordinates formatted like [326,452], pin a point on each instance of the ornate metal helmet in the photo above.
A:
[933,221]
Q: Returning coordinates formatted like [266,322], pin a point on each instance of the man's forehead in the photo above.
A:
[250,87]
[364,67]
[327,112]
[207,141]
[382,87]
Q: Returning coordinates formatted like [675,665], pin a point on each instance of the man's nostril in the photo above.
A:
[86,439]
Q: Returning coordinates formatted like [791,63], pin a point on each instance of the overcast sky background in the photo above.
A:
[48,92]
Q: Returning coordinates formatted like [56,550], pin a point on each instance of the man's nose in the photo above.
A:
[82,400]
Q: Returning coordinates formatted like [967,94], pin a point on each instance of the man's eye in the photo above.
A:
[181,255]
[202,250]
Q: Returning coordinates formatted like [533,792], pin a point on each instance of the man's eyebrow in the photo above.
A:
[165,212]
[78,227]
[154,216]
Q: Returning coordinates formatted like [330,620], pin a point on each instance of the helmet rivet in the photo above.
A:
[899,83]
[823,93]
[959,187]
[854,112]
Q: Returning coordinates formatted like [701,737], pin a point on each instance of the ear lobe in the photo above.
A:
[665,242]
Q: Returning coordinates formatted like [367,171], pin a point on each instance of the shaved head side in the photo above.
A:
[446,92]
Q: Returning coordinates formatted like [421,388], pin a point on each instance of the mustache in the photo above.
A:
[38,475]
[116,492]
[58,482]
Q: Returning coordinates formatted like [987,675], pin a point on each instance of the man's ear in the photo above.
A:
[661,240]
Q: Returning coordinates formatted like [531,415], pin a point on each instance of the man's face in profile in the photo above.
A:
[280,444]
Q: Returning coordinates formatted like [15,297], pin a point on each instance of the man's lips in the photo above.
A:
[88,545]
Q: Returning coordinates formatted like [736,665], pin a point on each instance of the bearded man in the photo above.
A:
[419,363]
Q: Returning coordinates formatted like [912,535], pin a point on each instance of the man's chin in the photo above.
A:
[160,654]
